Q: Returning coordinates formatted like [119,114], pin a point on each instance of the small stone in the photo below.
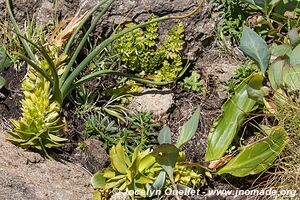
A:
[92,156]
[153,100]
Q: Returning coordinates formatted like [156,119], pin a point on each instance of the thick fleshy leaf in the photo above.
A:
[188,129]
[294,57]
[146,163]
[281,50]
[291,78]
[117,162]
[255,47]
[160,181]
[275,72]
[255,88]
[164,136]
[226,126]
[98,180]
[166,155]
[294,37]
[258,156]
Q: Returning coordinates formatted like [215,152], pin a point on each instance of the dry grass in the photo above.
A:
[286,174]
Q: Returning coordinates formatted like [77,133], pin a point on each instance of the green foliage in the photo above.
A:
[38,125]
[140,52]
[258,156]
[283,77]
[144,169]
[59,75]
[172,159]
[188,129]
[226,126]
[233,17]
[256,48]
[5,62]
[193,83]
[134,172]
[140,129]
[188,175]
[242,72]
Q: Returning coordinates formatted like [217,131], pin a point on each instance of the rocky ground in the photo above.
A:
[28,176]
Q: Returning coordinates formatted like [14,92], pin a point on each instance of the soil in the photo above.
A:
[11,94]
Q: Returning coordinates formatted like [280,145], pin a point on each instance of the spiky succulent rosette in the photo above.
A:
[37,126]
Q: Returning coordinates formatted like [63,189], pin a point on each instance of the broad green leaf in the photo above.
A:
[294,37]
[56,138]
[281,50]
[142,179]
[2,82]
[160,181]
[166,155]
[117,162]
[294,57]
[291,78]
[255,47]
[164,136]
[122,155]
[146,163]
[258,156]
[98,180]
[188,129]
[226,126]
[275,72]
[255,88]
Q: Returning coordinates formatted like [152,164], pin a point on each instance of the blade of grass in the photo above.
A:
[34,66]
[90,13]
[56,90]
[18,31]
[83,41]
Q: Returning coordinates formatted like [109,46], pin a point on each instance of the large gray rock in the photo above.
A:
[26,175]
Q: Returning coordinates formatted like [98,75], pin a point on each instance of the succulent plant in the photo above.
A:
[136,173]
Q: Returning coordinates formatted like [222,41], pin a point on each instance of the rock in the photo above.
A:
[92,156]
[120,196]
[152,100]
[26,175]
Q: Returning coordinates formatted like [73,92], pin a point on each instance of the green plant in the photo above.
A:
[277,15]
[242,72]
[193,83]
[63,74]
[67,82]
[140,52]
[233,18]
[132,173]
[171,158]
[140,129]
[4,63]
[254,93]
[168,157]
